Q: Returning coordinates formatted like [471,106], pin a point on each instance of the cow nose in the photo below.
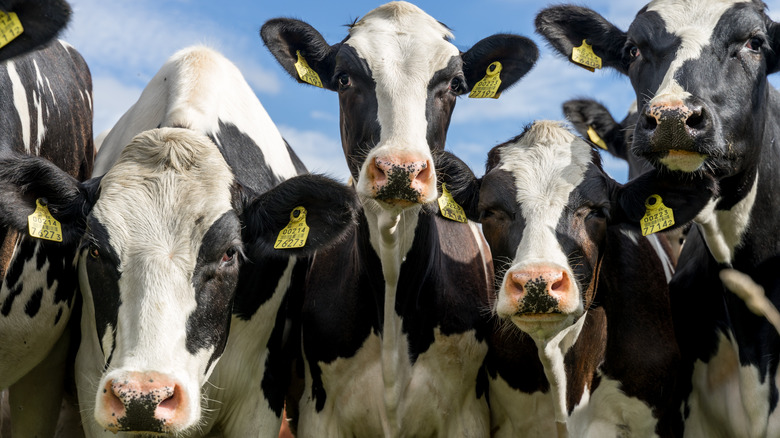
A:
[398,178]
[538,289]
[142,402]
[673,125]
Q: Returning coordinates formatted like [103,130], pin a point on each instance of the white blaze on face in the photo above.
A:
[151,203]
[547,163]
[403,47]
[694,23]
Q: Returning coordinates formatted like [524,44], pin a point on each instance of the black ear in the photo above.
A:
[565,26]
[684,193]
[773,55]
[25,179]
[284,37]
[460,181]
[41,21]
[331,212]
[515,53]
[587,113]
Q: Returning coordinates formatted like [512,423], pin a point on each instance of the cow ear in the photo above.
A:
[515,53]
[331,213]
[286,37]
[566,26]
[460,182]
[773,55]
[586,114]
[41,21]
[684,193]
[26,179]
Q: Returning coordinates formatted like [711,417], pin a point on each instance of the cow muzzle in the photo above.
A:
[669,132]
[143,402]
[536,291]
[401,180]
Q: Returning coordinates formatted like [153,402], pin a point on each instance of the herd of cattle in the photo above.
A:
[198,281]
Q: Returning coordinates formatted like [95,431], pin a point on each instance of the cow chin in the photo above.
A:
[684,161]
[543,326]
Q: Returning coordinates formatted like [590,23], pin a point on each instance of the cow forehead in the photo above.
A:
[547,162]
[167,188]
[398,40]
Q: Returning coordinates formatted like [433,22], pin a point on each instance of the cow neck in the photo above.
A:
[391,232]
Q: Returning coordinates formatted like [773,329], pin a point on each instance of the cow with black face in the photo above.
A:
[393,345]
[183,294]
[699,70]
[589,291]
[45,110]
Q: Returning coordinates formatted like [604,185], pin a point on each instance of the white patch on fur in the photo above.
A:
[666,262]
[609,412]
[694,23]
[723,229]
[403,47]
[20,103]
[729,399]
[551,353]
[434,401]
[197,88]
[38,102]
[547,164]
[514,413]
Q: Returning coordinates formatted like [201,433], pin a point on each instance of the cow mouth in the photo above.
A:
[683,160]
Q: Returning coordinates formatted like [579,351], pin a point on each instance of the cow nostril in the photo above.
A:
[649,122]
[696,119]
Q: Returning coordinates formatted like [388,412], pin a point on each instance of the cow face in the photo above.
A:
[397,76]
[699,71]
[161,249]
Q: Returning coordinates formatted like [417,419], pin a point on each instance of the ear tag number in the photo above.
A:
[584,56]
[449,208]
[42,224]
[306,73]
[488,86]
[595,138]
[295,233]
[10,27]
[657,216]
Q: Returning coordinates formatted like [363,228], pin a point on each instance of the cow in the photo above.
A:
[393,345]
[183,320]
[46,111]
[586,343]
[33,24]
[699,70]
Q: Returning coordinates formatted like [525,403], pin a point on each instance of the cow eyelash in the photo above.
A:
[344,80]
[754,43]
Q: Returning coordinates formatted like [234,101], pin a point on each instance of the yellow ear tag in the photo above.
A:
[488,86]
[306,73]
[584,56]
[42,224]
[657,217]
[295,233]
[595,138]
[10,27]
[449,208]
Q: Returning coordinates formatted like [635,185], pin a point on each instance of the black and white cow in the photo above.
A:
[590,292]
[699,69]
[45,110]
[393,343]
[182,329]
[39,23]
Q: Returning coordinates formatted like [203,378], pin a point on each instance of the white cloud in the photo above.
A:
[319,152]
[112,98]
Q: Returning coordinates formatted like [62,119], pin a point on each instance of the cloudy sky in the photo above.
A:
[125,42]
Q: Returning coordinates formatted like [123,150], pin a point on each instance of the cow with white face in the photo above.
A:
[183,294]
[394,344]
[597,354]
[699,70]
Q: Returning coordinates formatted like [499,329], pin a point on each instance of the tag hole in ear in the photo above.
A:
[296,213]
[44,202]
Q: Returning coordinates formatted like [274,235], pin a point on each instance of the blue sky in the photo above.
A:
[125,43]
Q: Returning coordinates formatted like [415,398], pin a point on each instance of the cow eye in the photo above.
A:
[344,80]
[634,52]
[597,213]
[94,252]
[754,43]
[456,85]
[228,256]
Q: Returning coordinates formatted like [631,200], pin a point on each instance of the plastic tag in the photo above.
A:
[449,208]
[584,56]
[657,217]
[306,73]
[488,86]
[295,233]
[595,138]
[42,224]
[10,27]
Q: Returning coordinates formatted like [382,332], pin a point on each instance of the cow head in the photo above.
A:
[545,204]
[699,71]
[397,76]
[41,21]
[163,237]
